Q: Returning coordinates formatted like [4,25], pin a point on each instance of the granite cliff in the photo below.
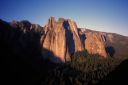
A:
[61,37]
[64,38]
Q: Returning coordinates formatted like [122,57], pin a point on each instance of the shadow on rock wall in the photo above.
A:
[110,50]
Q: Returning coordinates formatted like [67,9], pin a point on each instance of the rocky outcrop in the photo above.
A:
[95,43]
[105,44]
[61,37]
[26,26]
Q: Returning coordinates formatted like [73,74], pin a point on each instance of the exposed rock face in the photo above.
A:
[95,44]
[105,44]
[119,43]
[61,38]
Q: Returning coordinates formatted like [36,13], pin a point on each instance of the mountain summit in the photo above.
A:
[62,38]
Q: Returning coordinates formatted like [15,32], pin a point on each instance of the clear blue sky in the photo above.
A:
[102,15]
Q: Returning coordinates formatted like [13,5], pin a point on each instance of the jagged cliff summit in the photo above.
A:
[60,39]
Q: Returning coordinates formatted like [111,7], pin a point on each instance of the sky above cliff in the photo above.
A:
[100,15]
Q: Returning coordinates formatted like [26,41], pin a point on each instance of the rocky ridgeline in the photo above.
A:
[60,39]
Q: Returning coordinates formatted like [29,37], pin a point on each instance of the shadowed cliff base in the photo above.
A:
[110,51]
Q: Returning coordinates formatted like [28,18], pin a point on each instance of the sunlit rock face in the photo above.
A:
[61,38]
[95,43]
